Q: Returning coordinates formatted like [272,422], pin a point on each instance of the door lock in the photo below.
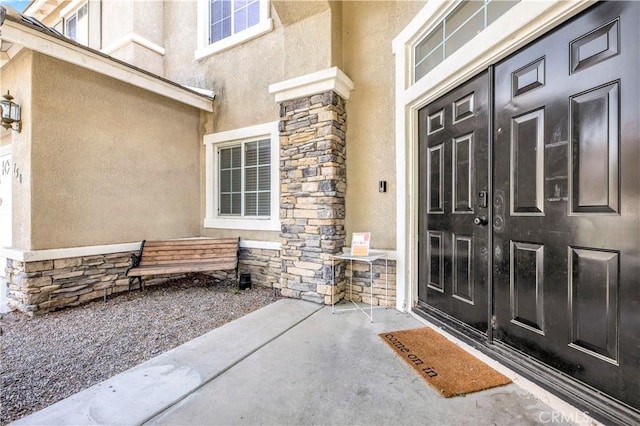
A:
[480,220]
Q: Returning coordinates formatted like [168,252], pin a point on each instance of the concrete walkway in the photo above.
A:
[293,362]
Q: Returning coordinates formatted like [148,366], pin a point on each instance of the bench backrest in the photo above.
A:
[223,252]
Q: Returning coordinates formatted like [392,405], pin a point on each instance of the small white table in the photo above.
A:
[372,257]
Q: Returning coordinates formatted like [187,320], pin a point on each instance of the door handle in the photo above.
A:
[480,220]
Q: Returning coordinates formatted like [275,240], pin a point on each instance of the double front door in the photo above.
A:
[529,222]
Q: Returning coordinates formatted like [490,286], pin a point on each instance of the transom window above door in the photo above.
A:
[461,24]
[223,24]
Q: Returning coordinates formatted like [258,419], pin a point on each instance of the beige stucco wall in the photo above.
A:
[16,76]
[110,163]
[240,76]
[309,36]
[134,18]
[300,43]
[368,30]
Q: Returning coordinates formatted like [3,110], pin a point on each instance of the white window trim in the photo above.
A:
[215,140]
[72,9]
[520,25]
[204,49]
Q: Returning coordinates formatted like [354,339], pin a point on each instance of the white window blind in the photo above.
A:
[245,179]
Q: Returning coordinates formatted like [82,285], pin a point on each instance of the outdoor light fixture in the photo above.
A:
[10,113]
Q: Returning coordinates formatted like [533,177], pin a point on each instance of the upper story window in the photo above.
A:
[459,26]
[242,178]
[76,24]
[231,17]
[225,23]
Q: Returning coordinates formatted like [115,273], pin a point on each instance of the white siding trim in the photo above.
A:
[520,25]
[133,38]
[52,254]
[311,84]
[265,245]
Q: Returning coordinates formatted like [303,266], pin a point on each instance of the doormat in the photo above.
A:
[446,367]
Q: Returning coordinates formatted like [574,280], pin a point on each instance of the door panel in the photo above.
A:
[565,221]
[566,249]
[453,170]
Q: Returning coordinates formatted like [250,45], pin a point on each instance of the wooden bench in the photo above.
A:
[182,256]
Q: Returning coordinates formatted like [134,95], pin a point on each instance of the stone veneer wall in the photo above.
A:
[262,264]
[360,291]
[312,194]
[42,286]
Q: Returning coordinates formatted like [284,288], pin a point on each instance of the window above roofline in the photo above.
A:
[72,7]
[205,49]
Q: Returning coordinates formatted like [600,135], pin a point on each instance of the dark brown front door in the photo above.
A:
[565,204]
[453,203]
[566,225]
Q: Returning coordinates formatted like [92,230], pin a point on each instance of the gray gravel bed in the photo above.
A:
[50,357]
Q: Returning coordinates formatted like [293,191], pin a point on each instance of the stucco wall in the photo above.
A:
[300,43]
[368,29]
[240,76]
[127,19]
[110,163]
[308,37]
[16,76]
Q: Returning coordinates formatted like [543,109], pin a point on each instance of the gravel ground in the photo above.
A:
[50,357]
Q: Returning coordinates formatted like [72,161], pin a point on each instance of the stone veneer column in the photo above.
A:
[312,182]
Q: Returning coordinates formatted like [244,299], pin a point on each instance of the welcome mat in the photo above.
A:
[445,366]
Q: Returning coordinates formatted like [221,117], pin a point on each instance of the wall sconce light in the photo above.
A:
[10,113]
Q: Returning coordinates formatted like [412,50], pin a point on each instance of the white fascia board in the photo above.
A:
[68,52]
[312,84]
[205,92]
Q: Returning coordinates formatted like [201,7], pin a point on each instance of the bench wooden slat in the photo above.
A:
[191,252]
[185,255]
[177,260]
[193,242]
[178,269]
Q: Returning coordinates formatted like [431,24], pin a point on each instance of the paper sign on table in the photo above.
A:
[360,243]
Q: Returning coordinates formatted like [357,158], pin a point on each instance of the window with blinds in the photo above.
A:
[228,17]
[76,26]
[245,179]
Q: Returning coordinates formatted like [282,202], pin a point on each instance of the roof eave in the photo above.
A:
[68,51]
